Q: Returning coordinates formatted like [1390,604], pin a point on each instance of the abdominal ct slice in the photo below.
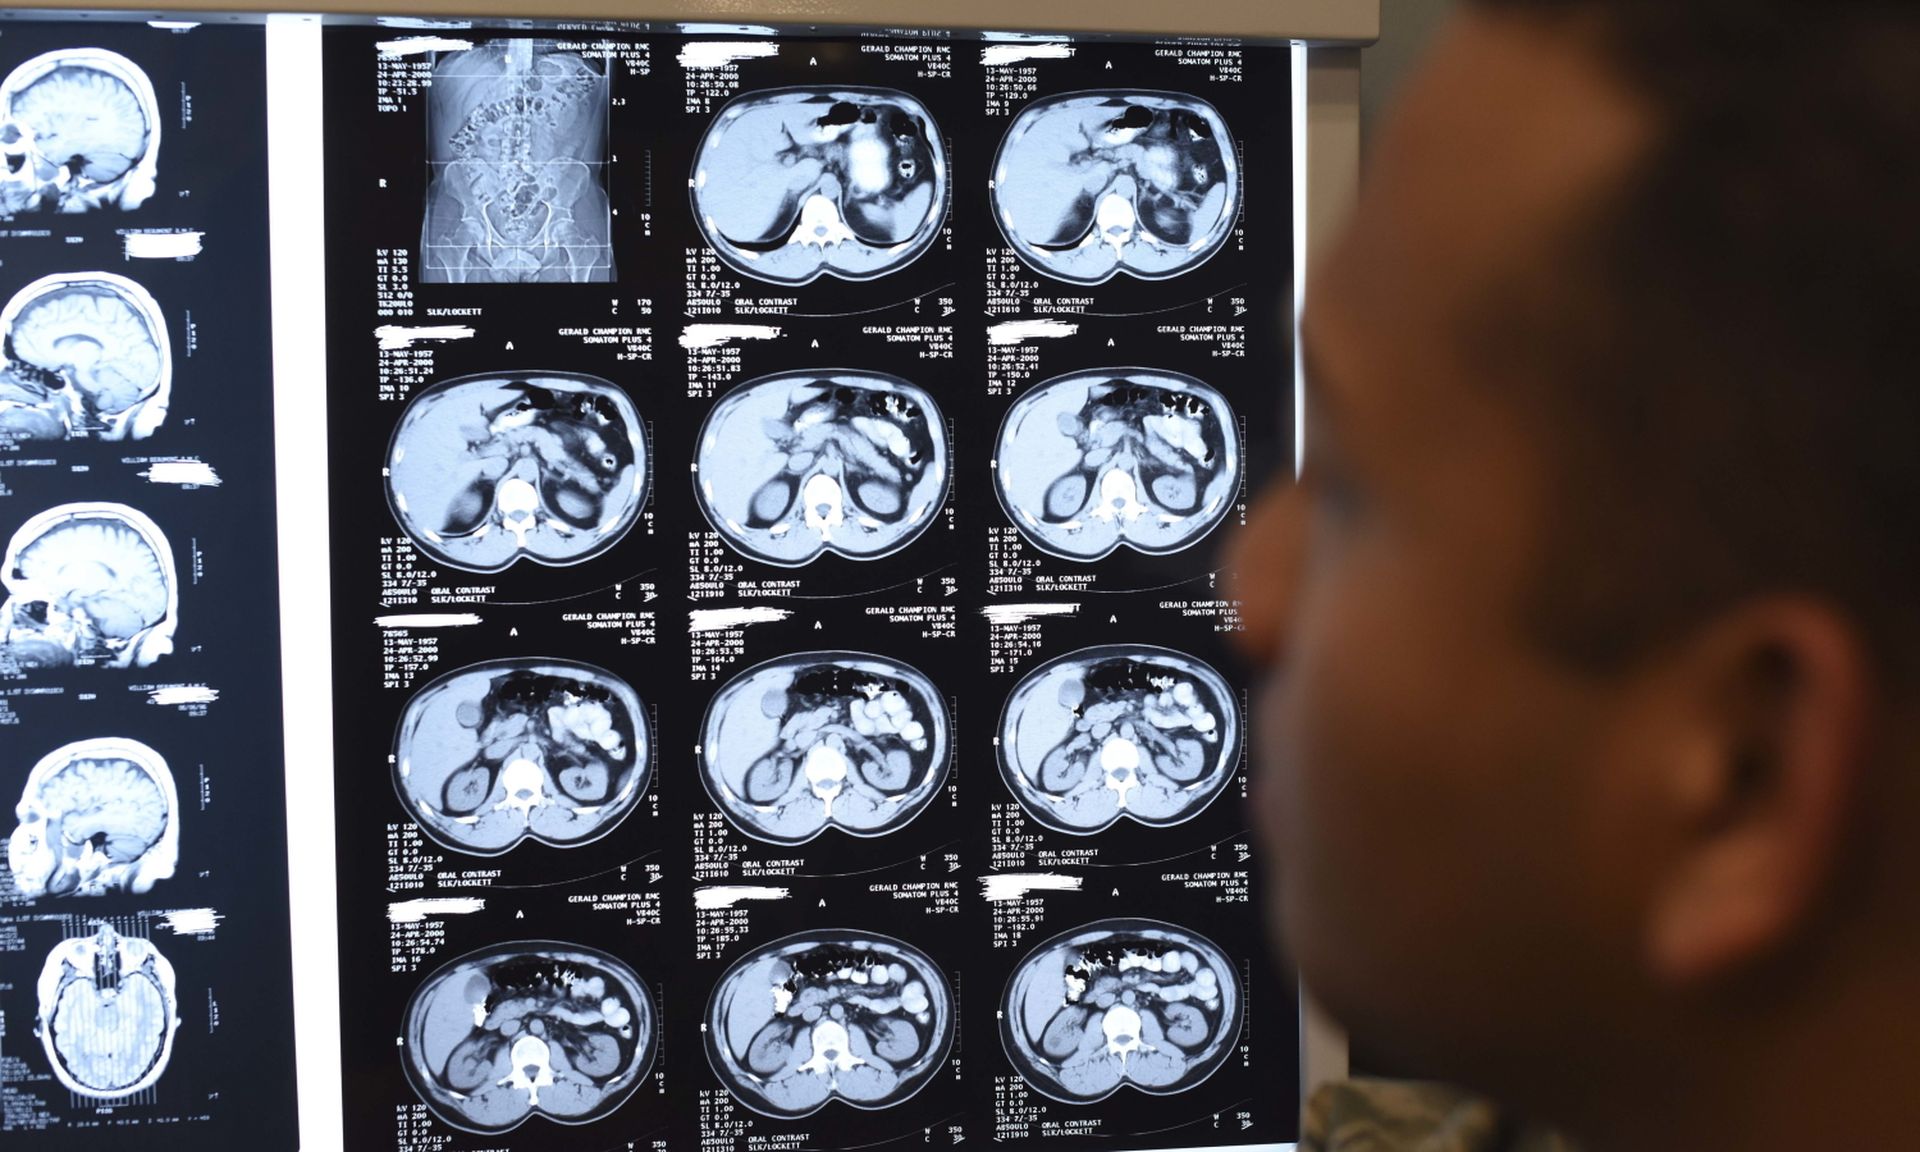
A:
[108,1009]
[799,183]
[531,1027]
[96,817]
[523,749]
[87,356]
[81,131]
[88,585]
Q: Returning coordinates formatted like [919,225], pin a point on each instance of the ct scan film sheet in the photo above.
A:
[144,964]
[782,680]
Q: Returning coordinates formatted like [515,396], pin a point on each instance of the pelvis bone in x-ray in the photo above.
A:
[517,138]
[81,131]
[802,182]
[1091,184]
[501,1034]
[826,1015]
[485,470]
[1121,1003]
[87,357]
[794,465]
[96,816]
[511,750]
[109,1007]
[1122,730]
[88,584]
[1090,461]
[823,739]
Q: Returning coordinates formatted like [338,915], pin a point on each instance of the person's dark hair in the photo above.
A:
[1732,341]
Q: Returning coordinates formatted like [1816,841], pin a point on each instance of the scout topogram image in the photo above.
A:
[529,1028]
[1092,184]
[88,585]
[109,1007]
[87,357]
[486,470]
[1120,1003]
[829,1015]
[1091,461]
[798,464]
[799,183]
[517,148]
[82,131]
[96,816]
[1121,731]
[522,749]
[824,739]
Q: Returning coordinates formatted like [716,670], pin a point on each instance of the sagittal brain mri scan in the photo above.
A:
[829,1015]
[87,357]
[1121,1003]
[824,739]
[88,585]
[527,1028]
[1093,461]
[517,135]
[487,470]
[96,816]
[799,183]
[1121,731]
[512,750]
[802,463]
[109,1006]
[82,131]
[1092,184]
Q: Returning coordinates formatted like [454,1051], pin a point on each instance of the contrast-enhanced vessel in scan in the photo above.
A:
[522,749]
[1121,1003]
[517,134]
[87,358]
[533,1027]
[799,183]
[1092,184]
[89,584]
[829,1015]
[96,816]
[109,1007]
[825,739]
[82,131]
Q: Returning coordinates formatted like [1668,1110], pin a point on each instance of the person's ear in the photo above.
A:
[1779,693]
[1262,562]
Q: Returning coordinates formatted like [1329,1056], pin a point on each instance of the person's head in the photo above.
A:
[1590,745]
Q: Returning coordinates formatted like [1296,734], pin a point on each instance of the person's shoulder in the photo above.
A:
[1401,1116]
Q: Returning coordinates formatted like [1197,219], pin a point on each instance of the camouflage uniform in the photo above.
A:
[1391,1116]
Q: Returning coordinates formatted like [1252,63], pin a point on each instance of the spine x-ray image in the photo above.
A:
[1091,461]
[794,465]
[82,131]
[87,358]
[510,750]
[517,136]
[799,183]
[1092,184]
[89,584]
[826,1015]
[485,470]
[1119,731]
[1121,1003]
[824,739]
[535,1027]
[96,816]
[109,1007]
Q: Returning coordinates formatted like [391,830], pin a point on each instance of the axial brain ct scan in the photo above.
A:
[1119,731]
[82,131]
[518,145]
[88,584]
[798,183]
[87,358]
[1121,1003]
[512,750]
[96,816]
[1088,462]
[824,739]
[1093,184]
[109,1007]
[802,463]
[499,1035]
[826,1015]
[486,470]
